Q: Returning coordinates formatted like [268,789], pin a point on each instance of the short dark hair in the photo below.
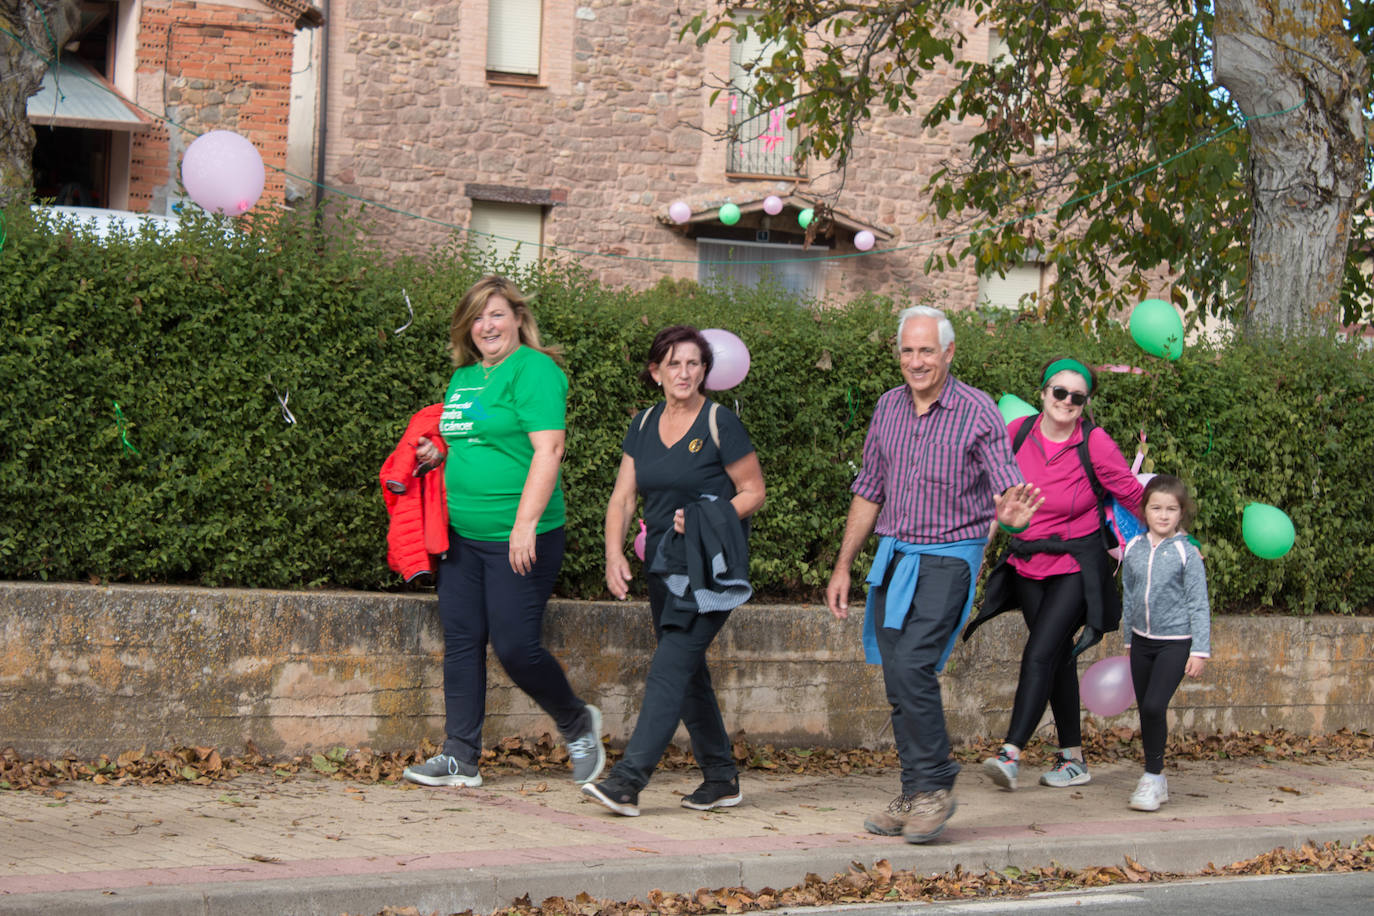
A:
[668,338]
[1170,485]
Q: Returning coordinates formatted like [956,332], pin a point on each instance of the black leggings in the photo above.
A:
[1054,611]
[1156,671]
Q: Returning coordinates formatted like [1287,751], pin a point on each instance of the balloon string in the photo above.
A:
[122,426]
[410,309]
[1209,438]
[2,231]
[849,398]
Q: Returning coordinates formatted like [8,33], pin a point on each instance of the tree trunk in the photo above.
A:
[1306,166]
[34,32]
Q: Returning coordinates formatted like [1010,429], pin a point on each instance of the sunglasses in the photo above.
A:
[1076,398]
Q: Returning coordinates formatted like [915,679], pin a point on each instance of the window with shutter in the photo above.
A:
[749,264]
[513,32]
[508,229]
[995,291]
[761,143]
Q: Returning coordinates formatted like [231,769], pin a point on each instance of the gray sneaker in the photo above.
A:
[444,770]
[587,752]
[1066,772]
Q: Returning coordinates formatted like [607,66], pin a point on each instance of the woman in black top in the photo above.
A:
[681,451]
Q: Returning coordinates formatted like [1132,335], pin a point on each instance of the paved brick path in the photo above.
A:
[259,844]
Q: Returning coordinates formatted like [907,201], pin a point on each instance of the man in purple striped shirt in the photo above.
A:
[937,469]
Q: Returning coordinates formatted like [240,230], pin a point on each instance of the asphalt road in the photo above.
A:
[1336,894]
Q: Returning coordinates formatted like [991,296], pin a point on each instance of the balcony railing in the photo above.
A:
[762,144]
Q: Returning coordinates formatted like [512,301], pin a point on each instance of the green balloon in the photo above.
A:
[805,217]
[1157,328]
[1268,531]
[1012,407]
[729,214]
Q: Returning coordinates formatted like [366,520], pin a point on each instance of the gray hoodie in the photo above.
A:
[1164,592]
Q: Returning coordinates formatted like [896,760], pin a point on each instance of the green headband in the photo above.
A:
[1073,365]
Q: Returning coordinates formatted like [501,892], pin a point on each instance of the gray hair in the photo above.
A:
[946,330]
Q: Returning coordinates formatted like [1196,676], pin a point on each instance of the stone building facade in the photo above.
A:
[570,126]
[613,128]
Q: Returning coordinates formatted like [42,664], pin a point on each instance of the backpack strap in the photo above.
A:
[710,421]
[1182,553]
[644,418]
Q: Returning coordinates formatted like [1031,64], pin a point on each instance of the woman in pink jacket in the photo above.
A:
[1057,570]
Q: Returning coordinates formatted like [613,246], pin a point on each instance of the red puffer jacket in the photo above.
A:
[418,505]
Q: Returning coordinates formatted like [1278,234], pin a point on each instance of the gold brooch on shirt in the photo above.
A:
[694,446]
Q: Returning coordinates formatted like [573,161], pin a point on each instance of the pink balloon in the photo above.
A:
[1106,686]
[730,359]
[680,211]
[772,205]
[864,240]
[223,172]
[639,540]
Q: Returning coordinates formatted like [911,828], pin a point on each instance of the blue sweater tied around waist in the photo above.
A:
[901,587]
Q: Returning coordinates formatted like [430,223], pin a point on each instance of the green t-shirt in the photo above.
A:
[486,422]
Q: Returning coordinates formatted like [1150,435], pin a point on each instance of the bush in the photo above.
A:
[201,337]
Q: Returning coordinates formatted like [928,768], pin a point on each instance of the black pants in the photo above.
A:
[1054,611]
[909,659]
[1156,671]
[679,689]
[482,599]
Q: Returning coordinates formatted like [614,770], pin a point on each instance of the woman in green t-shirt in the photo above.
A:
[503,423]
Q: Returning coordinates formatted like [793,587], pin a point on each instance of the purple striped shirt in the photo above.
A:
[934,474]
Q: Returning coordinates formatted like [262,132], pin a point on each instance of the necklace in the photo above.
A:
[488,370]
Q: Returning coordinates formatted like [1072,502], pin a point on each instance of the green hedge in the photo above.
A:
[197,336]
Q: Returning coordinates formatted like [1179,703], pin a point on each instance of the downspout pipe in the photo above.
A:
[324,106]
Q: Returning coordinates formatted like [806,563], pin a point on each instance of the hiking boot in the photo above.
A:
[614,794]
[1066,772]
[930,811]
[890,821]
[587,752]
[1002,769]
[443,770]
[1150,793]
[714,793]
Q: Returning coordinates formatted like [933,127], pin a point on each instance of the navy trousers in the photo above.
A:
[481,600]
[679,689]
[913,689]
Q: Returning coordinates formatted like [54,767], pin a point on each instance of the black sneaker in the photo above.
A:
[713,794]
[615,795]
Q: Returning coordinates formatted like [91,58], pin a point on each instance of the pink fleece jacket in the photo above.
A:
[1070,509]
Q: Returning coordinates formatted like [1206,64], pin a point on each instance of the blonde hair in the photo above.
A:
[460,343]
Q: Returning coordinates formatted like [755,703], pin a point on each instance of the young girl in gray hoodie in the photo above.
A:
[1165,619]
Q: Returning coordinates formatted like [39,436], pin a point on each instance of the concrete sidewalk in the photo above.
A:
[311,845]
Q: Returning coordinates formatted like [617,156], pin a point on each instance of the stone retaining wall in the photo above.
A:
[86,670]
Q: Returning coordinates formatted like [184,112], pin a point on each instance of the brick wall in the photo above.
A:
[210,67]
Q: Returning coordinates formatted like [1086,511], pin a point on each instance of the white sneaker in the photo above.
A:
[1150,793]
